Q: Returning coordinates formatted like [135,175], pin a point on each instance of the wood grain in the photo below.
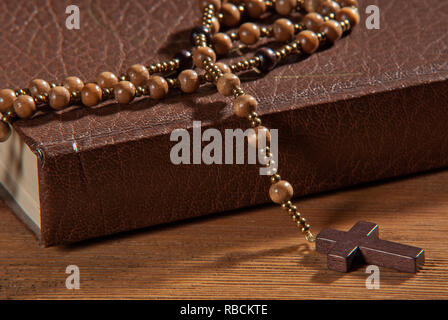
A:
[255,253]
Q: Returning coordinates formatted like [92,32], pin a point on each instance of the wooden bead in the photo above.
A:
[39,87]
[255,8]
[268,59]
[200,53]
[73,84]
[138,74]
[158,87]
[258,133]
[221,43]
[249,33]
[226,83]
[91,94]
[189,81]
[205,3]
[214,26]
[223,67]
[59,97]
[244,105]
[230,15]
[283,30]
[312,21]
[24,106]
[308,40]
[107,80]
[311,5]
[349,13]
[328,7]
[332,30]
[285,7]
[124,92]
[281,192]
[5,131]
[7,98]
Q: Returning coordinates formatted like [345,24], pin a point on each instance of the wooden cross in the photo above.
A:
[362,244]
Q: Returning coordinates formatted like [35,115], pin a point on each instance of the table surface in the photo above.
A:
[254,253]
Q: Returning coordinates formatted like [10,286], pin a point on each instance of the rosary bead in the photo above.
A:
[349,13]
[138,74]
[124,92]
[255,8]
[348,3]
[91,94]
[24,106]
[214,27]
[158,87]
[249,33]
[230,15]
[205,3]
[244,105]
[188,81]
[259,132]
[39,86]
[281,191]
[283,30]
[223,67]
[7,98]
[328,7]
[5,131]
[198,31]
[311,5]
[226,83]
[200,53]
[185,59]
[107,80]
[285,7]
[73,84]
[267,58]
[59,98]
[222,43]
[332,30]
[308,41]
[312,21]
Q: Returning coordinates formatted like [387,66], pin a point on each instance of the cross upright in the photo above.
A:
[362,244]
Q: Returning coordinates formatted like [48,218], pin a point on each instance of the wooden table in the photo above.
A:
[253,253]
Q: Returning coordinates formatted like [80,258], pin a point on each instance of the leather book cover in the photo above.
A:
[371,107]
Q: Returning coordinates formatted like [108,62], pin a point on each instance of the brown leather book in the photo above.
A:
[371,107]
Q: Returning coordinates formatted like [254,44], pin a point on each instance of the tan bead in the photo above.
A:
[258,133]
[39,86]
[188,80]
[200,53]
[7,98]
[226,83]
[107,80]
[73,84]
[328,7]
[5,131]
[214,26]
[244,105]
[249,33]
[311,5]
[230,15]
[158,87]
[138,74]
[283,30]
[24,106]
[348,3]
[205,3]
[222,44]
[285,7]
[349,13]
[308,40]
[59,98]
[223,67]
[312,21]
[124,92]
[91,94]
[281,191]
[255,8]
[332,30]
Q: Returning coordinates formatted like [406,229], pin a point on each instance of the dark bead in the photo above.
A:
[267,57]
[185,60]
[200,30]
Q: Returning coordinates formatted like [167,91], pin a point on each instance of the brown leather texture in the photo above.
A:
[373,106]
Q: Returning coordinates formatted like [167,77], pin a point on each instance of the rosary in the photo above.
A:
[324,21]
